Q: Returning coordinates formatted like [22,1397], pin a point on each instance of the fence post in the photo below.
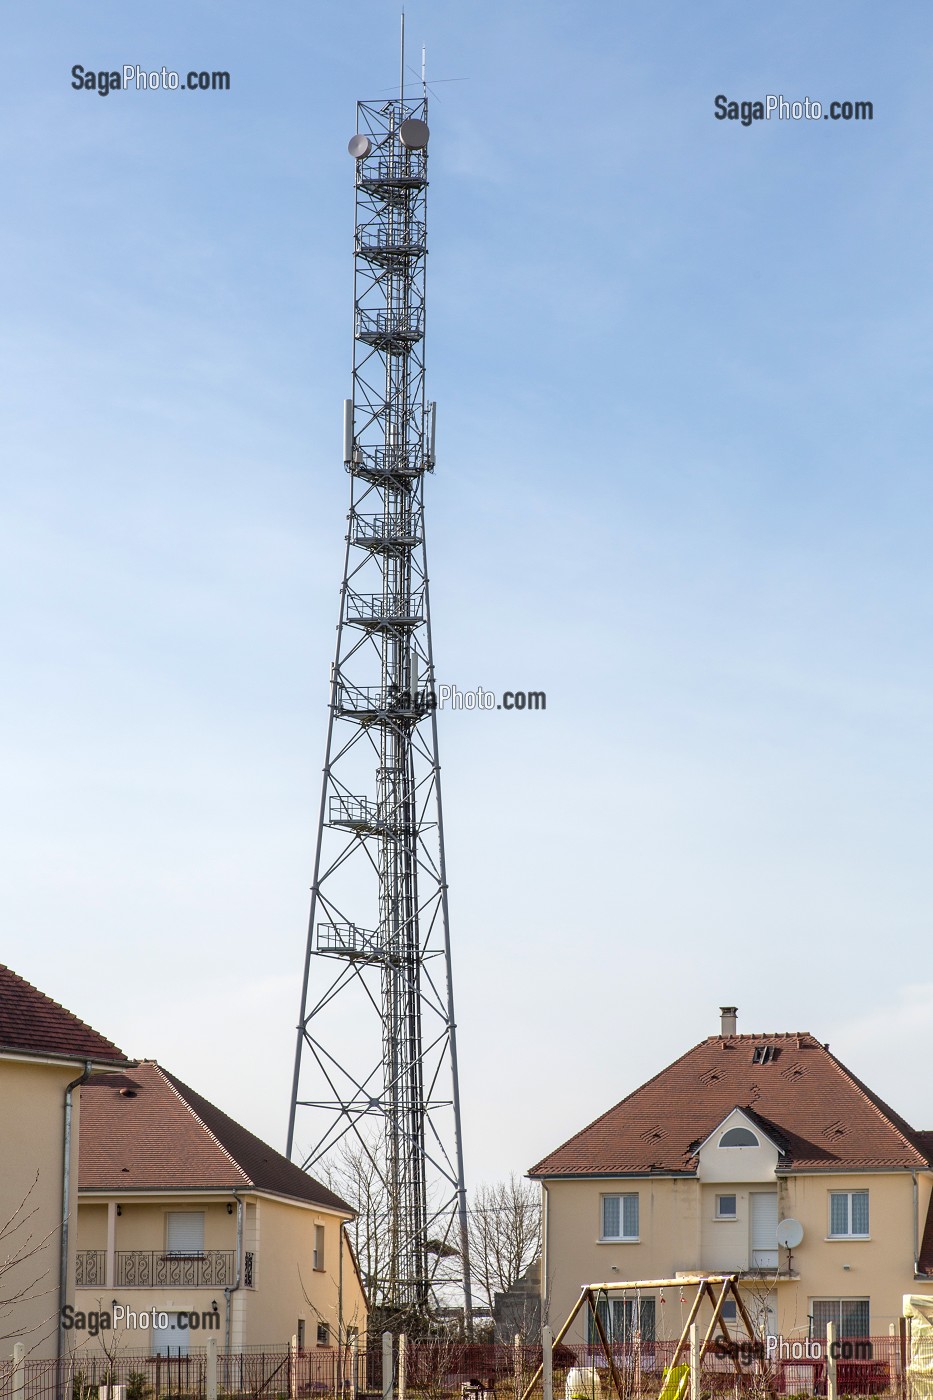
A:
[903,1354]
[832,1388]
[388,1379]
[402,1365]
[517,1362]
[212,1368]
[292,1368]
[19,1371]
[355,1365]
[694,1362]
[547,1363]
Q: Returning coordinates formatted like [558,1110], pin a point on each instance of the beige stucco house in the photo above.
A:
[694,1171]
[46,1055]
[190,1226]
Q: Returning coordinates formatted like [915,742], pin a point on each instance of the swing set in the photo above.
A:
[675,1381]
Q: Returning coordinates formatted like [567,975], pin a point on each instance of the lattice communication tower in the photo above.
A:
[376,1056]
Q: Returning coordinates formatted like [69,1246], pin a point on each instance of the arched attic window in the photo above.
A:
[739,1137]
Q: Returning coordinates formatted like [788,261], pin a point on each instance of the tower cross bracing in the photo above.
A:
[376,1055]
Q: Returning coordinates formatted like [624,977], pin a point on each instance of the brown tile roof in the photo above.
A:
[821,1116]
[147,1131]
[33,1024]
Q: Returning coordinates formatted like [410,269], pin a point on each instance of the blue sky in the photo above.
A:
[683,376]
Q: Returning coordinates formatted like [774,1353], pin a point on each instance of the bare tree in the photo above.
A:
[26,1275]
[355,1172]
[505,1234]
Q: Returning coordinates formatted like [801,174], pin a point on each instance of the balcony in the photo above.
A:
[143,1268]
[91,1268]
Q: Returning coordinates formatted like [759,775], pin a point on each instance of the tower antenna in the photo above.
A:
[375,1074]
[401,67]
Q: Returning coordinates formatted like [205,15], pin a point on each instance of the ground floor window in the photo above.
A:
[851,1316]
[621,1317]
[172,1339]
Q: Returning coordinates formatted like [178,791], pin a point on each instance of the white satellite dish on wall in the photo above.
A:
[789,1234]
[359,147]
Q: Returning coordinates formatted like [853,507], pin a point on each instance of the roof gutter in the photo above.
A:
[66,1201]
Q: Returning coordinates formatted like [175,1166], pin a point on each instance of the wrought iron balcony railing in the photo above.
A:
[142,1268]
[91,1268]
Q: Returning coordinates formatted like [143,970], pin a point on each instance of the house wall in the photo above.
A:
[678,1232]
[279,1235]
[879,1268]
[32,1112]
[142,1224]
[288,1287]
[670,1226]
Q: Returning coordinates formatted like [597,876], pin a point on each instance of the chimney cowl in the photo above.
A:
[727,1020]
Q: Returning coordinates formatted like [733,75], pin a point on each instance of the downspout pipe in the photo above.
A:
[228,1291]
[66,1200]
[916,1224]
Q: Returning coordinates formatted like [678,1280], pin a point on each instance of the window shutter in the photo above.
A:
[185,1231]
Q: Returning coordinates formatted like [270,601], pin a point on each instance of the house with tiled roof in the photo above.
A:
[46,1057]
[757,1154]
[193,1225]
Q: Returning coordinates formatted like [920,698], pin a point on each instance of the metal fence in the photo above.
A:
[449,1370]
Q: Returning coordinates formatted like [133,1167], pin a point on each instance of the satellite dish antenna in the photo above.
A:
[414,133]
[789,1234]
[359,147]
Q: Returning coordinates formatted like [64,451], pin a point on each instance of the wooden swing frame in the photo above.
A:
[705,1285]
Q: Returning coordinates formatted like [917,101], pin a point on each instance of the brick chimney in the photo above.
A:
[727,1020]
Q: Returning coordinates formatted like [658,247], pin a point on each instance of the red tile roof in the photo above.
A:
[821,1116]
[33,1024]
[147,1131]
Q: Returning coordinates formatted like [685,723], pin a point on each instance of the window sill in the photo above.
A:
[729,1219]
[620,1239]
[847,1239]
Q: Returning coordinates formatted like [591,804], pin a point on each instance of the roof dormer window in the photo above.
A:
[739,1137]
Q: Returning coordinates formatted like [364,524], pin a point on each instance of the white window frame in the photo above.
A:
[848,1233]
[839,1303]
[737,1146]
[318,1249]
[621,1197]
[727,1215]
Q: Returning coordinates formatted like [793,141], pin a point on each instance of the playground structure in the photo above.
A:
[744,1354]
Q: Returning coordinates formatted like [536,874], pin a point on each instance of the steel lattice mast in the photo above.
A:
[376,1059]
